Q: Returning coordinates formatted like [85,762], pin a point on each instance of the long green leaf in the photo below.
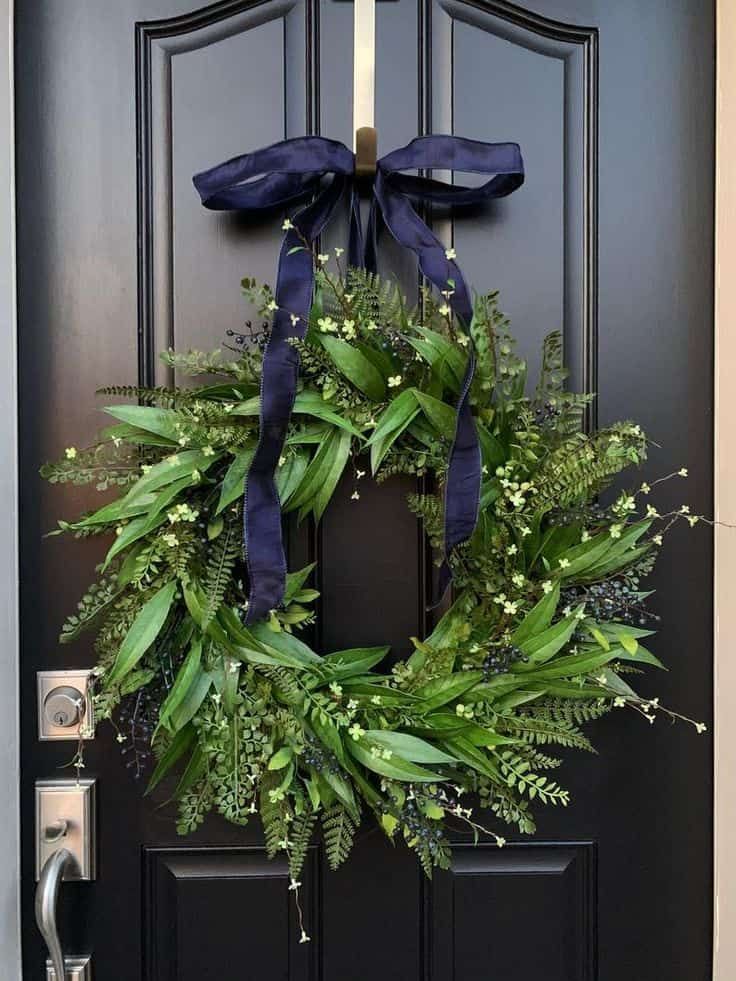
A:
[409,747]
[354,365]
[143,632]
[538,618]
[233,483]
[394,768]
[182,741]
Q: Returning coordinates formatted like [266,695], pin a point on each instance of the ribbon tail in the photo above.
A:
[262,530]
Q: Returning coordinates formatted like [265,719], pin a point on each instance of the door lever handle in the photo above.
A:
[47,894]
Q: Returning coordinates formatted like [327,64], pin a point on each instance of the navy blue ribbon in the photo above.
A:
[324,170]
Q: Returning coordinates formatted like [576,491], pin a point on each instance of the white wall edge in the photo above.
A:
[10,947]
[724,696]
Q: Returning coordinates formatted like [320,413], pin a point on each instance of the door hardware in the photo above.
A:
[65,813]
[47,894]
[65,705]
[65,850]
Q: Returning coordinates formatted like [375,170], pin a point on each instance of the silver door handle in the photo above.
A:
[47,894]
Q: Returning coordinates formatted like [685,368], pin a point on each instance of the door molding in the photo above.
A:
[724,936]
[9,649]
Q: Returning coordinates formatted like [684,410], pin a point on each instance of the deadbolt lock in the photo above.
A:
[65,705]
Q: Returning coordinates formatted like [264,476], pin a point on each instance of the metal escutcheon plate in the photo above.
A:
[73,802]
[77,969]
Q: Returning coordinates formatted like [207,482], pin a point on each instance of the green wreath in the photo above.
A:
[543,635]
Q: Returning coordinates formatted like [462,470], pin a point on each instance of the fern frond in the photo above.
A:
[219,570]
[300,836]
[542,732]
[338,832]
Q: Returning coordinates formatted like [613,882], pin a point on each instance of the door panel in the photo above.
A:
[118,104]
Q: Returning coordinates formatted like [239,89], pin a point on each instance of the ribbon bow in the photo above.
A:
[324,170]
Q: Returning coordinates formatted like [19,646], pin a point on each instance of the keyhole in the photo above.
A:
[60,719]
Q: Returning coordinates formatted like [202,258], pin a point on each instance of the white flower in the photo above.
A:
[547,586]
[615,531]
[500,841]
[585,535]
[657,539]
[692,520]
[287,224]
[327,325]
[183,440]
[684,509]
[70,452]
[682,472]
[145,467]
[652,512]
[645,488]
[563,563]
[339,251]
[517,579]
[304,939]
[360,474]
[512,550]
[462,339]
[323,258]
[509,607]
[700,728]
[619,702]
[375,699]
[272,305]
[444,310]
[355,496]
[120,737]
[450,254]
[348,329]
[525,531]
[294,319]
[282,461]
[294,886]
[196,476]
[394,381]
[171,540]
[207,451]
[355,731]
[601,679]
[371,325]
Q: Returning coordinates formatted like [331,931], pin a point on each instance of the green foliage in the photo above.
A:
[542,639]
[339,833]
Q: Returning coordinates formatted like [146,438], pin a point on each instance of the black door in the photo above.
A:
[119,102]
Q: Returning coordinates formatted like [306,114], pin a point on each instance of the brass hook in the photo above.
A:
[366,151]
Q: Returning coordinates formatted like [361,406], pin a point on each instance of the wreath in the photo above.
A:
[544,635]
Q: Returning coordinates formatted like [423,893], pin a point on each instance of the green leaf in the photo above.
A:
[281,758]
[471,756]
[184,678]
[392,422]
[408,747]
[630,644]
[544,646]
[290,476]
[180,744]
[192,699]
[443,417]
[295,581]
[143,632]
[395,768]
[538,618]
[447,689]
[358,660]
[162,422]
[312,404]
[355,367]
[340,453]
[233,483]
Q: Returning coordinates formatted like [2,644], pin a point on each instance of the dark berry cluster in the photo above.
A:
[616,599]
[499,659]
[419,826]
[546,413]
[321,759]
[252,336]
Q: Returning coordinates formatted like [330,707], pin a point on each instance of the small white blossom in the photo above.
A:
[657,539]
[450,254]
[512,550]
[287,224]
[444,310]
[547,586]
[208,451]
[339,251]
[304,939]
[70,452]
[355,496]
[294,319]
[272,305]
[682,472]
[615,531]
[394,381]
[645,488]
[700,728]
[563,563]
[322,258]
[327,325]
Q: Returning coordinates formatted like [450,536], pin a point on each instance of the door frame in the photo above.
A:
[10,955]
[724,939]
[724,484]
